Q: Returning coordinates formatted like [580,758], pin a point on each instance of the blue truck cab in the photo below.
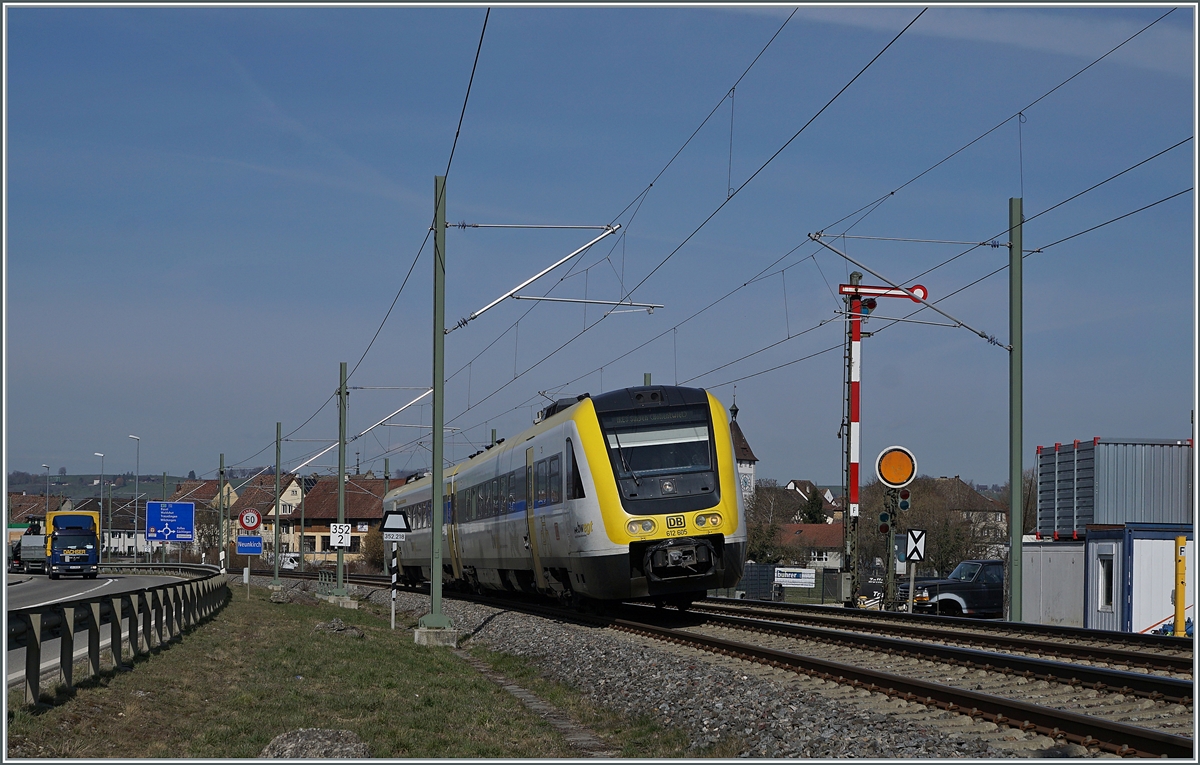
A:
[74,545]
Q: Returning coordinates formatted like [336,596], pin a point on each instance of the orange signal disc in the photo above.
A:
[896,467]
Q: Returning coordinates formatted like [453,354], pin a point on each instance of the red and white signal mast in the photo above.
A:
[861,299]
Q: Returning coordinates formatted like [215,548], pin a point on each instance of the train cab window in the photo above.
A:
[574,482]
[658,441]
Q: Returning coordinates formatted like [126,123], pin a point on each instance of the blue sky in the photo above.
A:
[207,209]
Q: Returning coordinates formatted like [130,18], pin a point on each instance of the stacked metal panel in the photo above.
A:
[1112,481]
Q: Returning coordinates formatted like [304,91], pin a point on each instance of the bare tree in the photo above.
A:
[767,510]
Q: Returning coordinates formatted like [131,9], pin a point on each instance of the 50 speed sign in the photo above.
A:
[250,519]
[339,535]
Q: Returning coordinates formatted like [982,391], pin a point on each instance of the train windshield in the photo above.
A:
[652,442]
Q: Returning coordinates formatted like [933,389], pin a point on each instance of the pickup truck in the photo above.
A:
[973,588]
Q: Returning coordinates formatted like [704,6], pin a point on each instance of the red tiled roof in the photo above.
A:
[195,491]
[21,506]
[364,499]
[260,495]
[815,535]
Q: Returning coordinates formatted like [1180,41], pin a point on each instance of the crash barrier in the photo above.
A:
[157,615]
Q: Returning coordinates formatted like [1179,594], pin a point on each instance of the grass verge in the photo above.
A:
[259,669]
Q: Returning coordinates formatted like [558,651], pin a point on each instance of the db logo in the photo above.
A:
[676,522]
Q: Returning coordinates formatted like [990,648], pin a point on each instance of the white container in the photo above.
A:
[1129,576]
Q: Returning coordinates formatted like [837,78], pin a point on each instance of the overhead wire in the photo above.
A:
[721,206]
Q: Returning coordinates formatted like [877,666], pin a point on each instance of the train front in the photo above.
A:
[663,465]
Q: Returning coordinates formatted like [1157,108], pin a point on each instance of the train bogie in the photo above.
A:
[627,495]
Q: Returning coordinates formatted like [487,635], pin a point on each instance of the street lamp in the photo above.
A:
[47,488]
[137,471]
[101,456]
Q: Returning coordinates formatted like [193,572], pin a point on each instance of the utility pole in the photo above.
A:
[278,438]
[435,619]
[302,493]
[1016,515]
[850,513]
[340,589]
[221,505]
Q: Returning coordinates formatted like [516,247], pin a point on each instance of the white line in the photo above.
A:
[105,583]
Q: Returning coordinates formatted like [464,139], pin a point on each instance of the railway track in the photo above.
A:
[1150,654]
[1123,712]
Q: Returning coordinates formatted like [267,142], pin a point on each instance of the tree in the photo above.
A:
[950,537]
[767,510]
[372,549]
[814,509]
[1028,502]
[62,471]
[191,475]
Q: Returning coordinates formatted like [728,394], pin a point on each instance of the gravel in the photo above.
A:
[766,712]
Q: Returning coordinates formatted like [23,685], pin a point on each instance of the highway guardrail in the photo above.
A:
[157,615]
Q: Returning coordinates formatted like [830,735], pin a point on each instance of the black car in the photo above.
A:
[974,588]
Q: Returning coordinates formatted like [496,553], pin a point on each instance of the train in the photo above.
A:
[628,495]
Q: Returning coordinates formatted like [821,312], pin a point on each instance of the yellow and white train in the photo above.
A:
[628,495]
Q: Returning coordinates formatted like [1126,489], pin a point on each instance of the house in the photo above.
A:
[363,511]
[817,545]
[259,495]
[204,493]
[24,507]
[806,489]
[987,518]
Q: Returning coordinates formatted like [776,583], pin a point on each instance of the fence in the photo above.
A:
[163,611]
[758,583]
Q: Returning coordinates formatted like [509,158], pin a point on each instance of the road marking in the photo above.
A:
[105,583]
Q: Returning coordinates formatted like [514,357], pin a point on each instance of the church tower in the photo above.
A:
[742,453]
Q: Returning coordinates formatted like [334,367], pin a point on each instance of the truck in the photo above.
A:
[73,543]
[30,550]
[974,588]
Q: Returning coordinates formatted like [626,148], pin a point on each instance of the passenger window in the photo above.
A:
[555,471]
[540,483]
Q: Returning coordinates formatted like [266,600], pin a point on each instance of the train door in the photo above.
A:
[530,524]
[453,531]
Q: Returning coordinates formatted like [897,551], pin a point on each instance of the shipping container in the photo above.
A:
[1129,576]
[1112,481]
[1052,583]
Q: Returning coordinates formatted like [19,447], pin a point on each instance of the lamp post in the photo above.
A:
[47,488]
[101,456]
[137,470]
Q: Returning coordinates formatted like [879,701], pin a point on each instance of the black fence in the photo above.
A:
[758,583]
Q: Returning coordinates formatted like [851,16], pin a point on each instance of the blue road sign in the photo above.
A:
[249,545]
[170,521]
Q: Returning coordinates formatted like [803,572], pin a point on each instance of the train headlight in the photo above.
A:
[667,486]
[640,527]
[711,519]
[701,520]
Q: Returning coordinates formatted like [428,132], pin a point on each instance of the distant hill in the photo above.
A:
[77,487]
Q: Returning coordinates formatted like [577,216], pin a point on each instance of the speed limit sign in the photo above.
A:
[339,535]
[250,519]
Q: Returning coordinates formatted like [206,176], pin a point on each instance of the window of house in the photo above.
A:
[325,542]
[355,544]
[310,543]
[1105,583]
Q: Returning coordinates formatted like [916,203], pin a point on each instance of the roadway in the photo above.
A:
[26,590]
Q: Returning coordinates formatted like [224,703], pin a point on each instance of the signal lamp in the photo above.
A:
[868,305]
[884,528]
[905,499]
